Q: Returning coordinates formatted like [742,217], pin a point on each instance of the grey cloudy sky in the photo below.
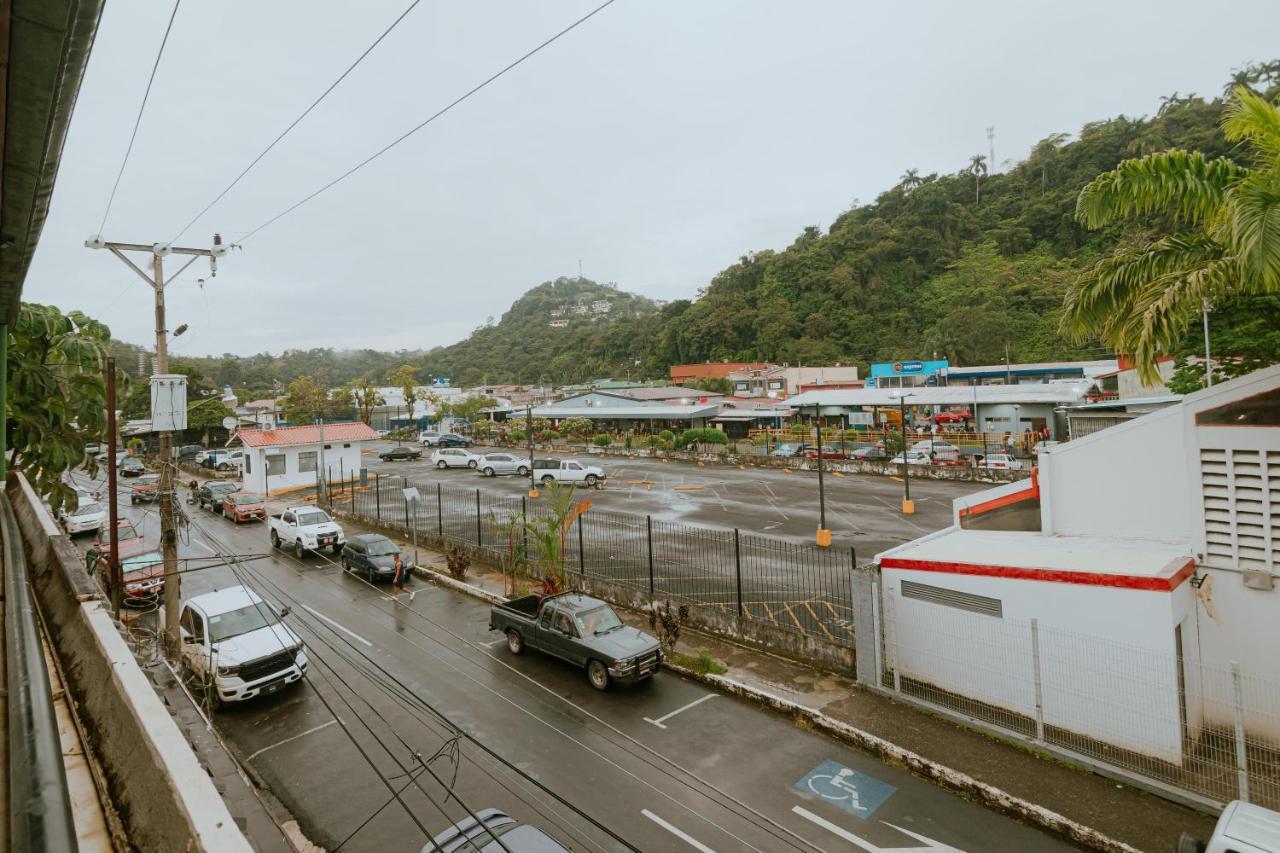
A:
[656,143]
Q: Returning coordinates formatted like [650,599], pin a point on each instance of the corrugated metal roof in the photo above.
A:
[639,413]
[947,395]
[307,434]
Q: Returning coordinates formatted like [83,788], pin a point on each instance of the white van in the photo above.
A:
[235,643]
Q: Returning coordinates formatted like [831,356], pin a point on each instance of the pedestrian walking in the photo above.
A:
[400,583]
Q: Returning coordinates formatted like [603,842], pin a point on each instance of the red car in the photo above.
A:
[143,576]
[243,506]
[131,544]
[828,452]
[145,489]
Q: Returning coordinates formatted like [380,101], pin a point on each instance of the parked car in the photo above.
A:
[243,506]
[451,440]
[493,464]
[828,452]
[870,454]
[224,460]
[370,554]
[145,489]
[131,466]
[939,450]
[428,437]
[400,454]
[188,452]
[581,630]
[88,515]
[131,543]
[454,457]
[305,528]
[93,448]
[790,448]
[235,643]
[1242,828]
[210,493]
[567,471]
[999,461]
[480,833]
[914,457]
[202,455]
[143,578]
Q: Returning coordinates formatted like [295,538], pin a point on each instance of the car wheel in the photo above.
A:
[1189,844]
[547,479]
[471,463]
[488,472]
[275,539]
[515,642]
[298,550]
[442,464]
[523,471]
[597,675]
[346,564]
[592,479]
[368,575]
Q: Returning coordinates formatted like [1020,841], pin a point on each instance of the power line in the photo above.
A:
[429,119]
[138,121]
[298,120]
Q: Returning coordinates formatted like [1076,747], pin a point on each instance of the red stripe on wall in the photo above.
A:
[1005,500]
[1157,583]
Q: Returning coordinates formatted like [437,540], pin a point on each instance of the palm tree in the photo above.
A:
[1141,298]
[911,179]
[977,168]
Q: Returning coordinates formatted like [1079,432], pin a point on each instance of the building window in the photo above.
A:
[1259,410]
[307,461]
[275,465]
[775,383]
[248,463]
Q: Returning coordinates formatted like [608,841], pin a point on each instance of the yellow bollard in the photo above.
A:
[908,507]
[533,493]
[824,538]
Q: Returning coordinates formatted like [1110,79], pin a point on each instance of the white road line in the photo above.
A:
[659,722]
[341,628]
[493,643]
[288,739]
[930,845]
[835,830]
[677,832]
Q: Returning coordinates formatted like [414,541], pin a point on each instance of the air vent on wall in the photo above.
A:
[953,598]
[1241,507]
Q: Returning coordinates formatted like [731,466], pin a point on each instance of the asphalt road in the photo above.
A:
[665,765]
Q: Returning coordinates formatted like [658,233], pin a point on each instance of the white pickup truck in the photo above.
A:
[234,643]
[305,528]
[569,471]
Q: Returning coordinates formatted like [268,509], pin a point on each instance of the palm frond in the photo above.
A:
[1183,183]
[1250,117]
[1253,220]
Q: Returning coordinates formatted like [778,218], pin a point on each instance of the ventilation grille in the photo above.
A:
[953,598]
[1241,491]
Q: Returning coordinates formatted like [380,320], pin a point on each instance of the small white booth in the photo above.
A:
[277,460]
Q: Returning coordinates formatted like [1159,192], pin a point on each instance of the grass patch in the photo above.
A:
[703,664]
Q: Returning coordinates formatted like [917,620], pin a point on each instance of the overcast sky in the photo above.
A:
[656,143]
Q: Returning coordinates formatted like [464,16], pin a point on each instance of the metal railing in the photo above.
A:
[792,586]
[39,804]
[1202,731]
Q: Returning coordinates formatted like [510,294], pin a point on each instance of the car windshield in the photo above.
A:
[140,561]
[382,548]
[306,519]
[598,620]
[228,488]
[148,480]
[88,509]
[127,531]
[245,500]
[236,622]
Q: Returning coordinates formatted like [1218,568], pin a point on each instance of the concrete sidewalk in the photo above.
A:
[1122,813]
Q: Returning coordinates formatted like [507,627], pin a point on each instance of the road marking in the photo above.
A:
[341,628]
[289,739]
[493,643]
[840,832]
[659,722]
[676,831]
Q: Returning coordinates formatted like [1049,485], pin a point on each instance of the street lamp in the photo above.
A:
[908,505]
[824,535]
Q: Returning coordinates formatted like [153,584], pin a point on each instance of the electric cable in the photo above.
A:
[297,120]
[138,121]
[429,119]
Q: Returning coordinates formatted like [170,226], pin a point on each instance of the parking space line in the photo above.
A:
[817,620]
[341,628]
[289,739]
[659,722]
[493,643]
[676,831]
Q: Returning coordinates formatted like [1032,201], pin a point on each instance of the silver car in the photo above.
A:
[493,464]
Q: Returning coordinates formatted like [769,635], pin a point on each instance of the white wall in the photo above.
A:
[1107,656]
[341,458]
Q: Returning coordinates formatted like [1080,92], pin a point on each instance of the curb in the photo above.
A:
[988,795]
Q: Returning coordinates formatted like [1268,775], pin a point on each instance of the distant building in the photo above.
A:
[558,312]
[579,310]
[558,324]
[684,373]
[782,381]
[291,457]
[265,413]
[601,306]
[619,411]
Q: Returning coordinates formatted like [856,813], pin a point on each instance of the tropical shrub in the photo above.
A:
[602,440]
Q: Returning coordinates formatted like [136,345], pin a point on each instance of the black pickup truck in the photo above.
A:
[581,630]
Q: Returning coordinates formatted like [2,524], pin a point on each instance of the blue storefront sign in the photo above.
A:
[887,369]
[845,788]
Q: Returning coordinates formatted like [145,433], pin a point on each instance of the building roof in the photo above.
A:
[261,404]
[667,392]
[709,369]
[307,434]
[656,411]
[948,395]
[1018,555]
[1091,369]
[1166,400]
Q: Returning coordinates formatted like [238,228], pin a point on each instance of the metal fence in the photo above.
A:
[1204,731]
[792,586]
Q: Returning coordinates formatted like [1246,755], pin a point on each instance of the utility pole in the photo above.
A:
[168,508]
[1208,365]
[528,429]
[113,506]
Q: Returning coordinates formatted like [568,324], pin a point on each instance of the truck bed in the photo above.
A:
[526,605]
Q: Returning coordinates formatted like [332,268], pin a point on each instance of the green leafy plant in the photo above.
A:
[576,427]
[666,622]
[548,532]
[667,435]
[602,440]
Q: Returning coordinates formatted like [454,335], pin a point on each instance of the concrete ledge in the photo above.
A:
[163,796]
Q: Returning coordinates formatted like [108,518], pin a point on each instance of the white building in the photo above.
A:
[291,457]
[1146,553]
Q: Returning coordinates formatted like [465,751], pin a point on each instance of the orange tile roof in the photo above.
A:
[306,434]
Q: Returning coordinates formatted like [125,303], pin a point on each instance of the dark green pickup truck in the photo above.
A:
[581,630]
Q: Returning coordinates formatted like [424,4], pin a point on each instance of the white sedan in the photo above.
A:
[1000,462]
[455,457]
[88,516]
[914,457]
[493,464]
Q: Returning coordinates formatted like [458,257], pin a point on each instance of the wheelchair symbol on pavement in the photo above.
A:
[846,788]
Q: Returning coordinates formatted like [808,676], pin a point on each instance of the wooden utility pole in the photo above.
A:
[168,507]
[113,499]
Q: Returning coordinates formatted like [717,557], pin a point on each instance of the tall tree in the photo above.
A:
[977,168]
[1225,240]
[304,400]
[405,377]
[911,179]
[57,395]
[365,397]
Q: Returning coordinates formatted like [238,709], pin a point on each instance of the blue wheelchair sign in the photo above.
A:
[845,788]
